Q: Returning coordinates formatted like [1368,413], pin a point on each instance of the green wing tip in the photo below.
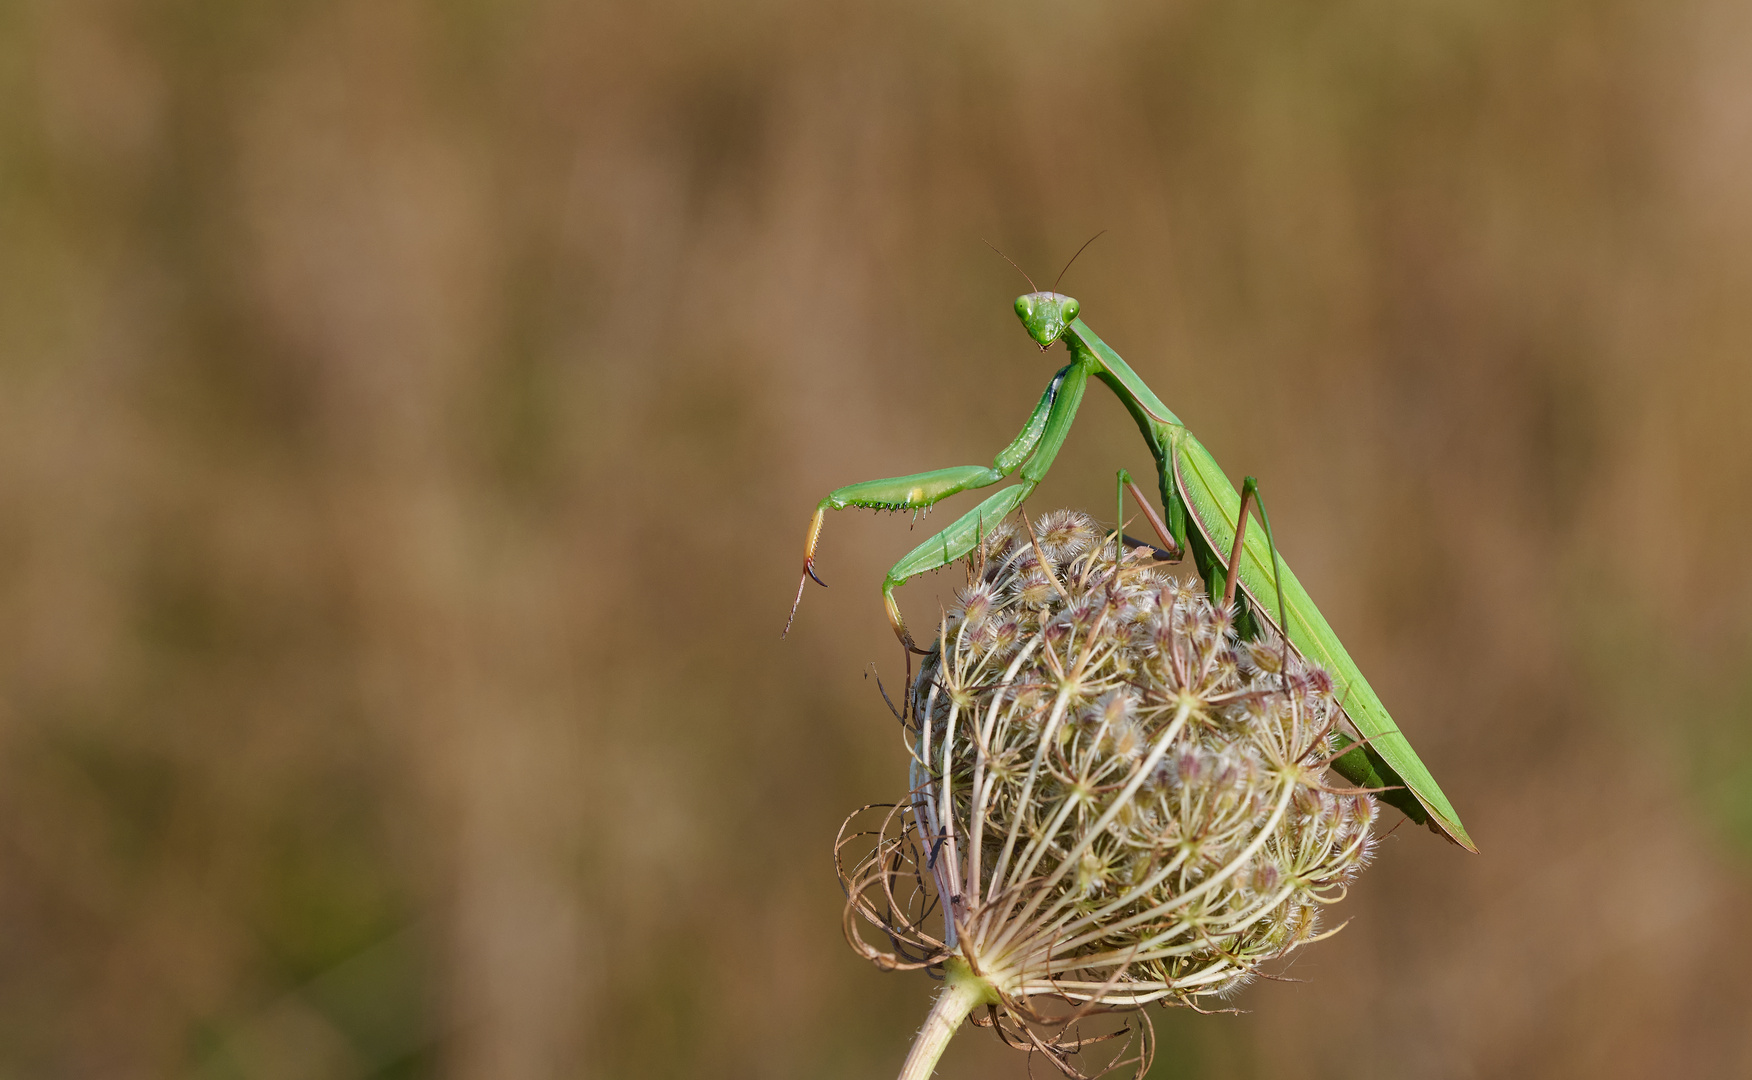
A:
[1452,831]
[1364,767]
[1445,823]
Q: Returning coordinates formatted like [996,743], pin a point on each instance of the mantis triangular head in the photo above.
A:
[1046,315]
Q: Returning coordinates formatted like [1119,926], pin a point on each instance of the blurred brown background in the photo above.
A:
[410,413]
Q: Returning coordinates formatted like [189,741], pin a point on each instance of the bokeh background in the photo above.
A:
[410,413]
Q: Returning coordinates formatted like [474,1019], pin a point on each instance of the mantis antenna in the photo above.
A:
[1031,285]
[1080,250]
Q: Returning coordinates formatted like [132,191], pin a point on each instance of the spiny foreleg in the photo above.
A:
[923,490]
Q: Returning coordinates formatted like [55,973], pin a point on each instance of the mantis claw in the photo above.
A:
[808,568]
[899,624]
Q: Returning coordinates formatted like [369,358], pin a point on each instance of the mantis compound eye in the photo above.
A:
[1024,307]
[1071,308]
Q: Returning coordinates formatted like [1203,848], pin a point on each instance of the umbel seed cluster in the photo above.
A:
[1113,800]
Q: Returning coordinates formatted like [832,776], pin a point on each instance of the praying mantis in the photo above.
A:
[1204,515]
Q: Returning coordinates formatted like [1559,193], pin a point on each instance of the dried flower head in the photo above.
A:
[1113,801]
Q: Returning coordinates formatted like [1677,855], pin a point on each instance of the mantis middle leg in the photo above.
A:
[1170,550]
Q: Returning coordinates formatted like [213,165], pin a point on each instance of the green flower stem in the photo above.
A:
[963,991]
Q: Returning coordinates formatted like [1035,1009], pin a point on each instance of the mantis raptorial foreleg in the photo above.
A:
[1032,451]
[948,546]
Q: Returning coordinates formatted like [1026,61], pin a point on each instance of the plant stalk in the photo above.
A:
[963,991]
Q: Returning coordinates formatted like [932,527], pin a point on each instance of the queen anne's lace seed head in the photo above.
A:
[1113,799]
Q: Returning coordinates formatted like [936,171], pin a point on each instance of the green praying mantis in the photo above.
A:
[1204,515]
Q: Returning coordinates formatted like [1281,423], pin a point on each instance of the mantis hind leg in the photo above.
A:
[1219,571]
[1358,762]
[1246,623]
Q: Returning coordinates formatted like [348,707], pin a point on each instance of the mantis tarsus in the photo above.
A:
[1203,514]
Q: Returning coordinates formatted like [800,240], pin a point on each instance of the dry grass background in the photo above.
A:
[409,415]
